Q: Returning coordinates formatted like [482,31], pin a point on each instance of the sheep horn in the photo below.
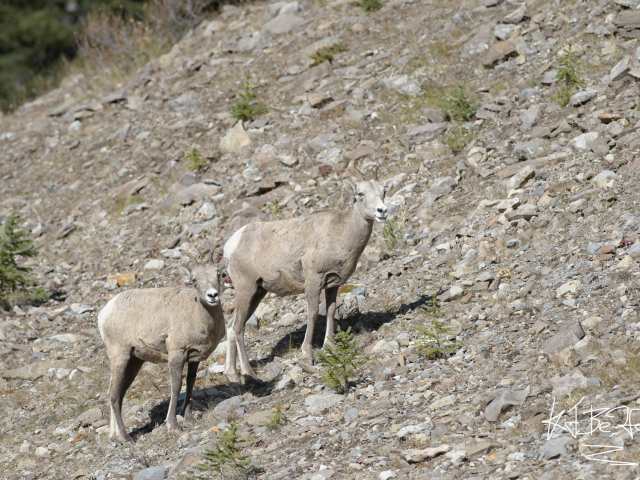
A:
[375,173]
[353,170]
[193,259]
[211,254]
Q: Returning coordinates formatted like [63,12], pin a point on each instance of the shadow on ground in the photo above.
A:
[359,322]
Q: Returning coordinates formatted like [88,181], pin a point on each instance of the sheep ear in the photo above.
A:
[387,185]
[351,188]
[222,267]
[185,274]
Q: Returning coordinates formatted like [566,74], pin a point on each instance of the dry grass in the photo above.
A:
[111,47]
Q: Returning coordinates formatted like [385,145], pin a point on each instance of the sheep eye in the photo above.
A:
[194,281]
[361,194]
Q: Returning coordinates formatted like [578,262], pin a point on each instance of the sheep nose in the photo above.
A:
[382,210]
[212,296]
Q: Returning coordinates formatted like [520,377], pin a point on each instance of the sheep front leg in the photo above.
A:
[331,295]
[312,292]
[192,370]
[176,365]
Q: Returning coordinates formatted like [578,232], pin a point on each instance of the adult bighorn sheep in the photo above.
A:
[162,325]
[300,255]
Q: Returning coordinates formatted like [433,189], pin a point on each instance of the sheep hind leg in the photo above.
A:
[120,382]
[231,371]
[192,370]
[243,317]
[332,295]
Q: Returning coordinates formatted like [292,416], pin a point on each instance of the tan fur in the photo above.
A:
[162,325]
[307,254]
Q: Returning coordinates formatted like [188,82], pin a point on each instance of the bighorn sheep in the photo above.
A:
[162,325]
[299,255]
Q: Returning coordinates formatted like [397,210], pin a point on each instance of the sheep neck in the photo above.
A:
[359,228]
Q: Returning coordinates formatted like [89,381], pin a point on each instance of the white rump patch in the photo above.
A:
[232,243]
[104,314]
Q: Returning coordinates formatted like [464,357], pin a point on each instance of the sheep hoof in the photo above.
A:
[233,377]
[173,428]
[121,438]
[307,354]
[189,420]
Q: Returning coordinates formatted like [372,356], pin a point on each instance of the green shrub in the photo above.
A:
[431,342]
[370,5]
[459,107]
[458,138]
[275,209]
[568,76]
[326,54]
[247,107]
[392,234]
[15,283]
[226,455]
[194,159]
[340,361]
[277,419]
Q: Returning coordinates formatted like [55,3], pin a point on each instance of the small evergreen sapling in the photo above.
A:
[277,419]
[340,361]
[392,234]
[568,76]
[226,455]
[247,107]
[194,159]
[14,279]
[431,342]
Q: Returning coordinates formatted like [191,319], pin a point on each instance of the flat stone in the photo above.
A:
[131,188]
[235,139]
[32,371]
[529,150]
[152,473]
[555,347]
[479,449]
[568,287]
[186,195]
[530,117]
[423,133]
[261,418]
[154,264]
[499,52]
[319,403]
[416,456]
[123,278]
[621,69]
[582,97]
[228,407]
[519,179]
[89,417]
[283,24]
[516,16]
[554,448]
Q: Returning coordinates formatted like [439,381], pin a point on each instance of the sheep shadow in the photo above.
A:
[202,402]
[360,322]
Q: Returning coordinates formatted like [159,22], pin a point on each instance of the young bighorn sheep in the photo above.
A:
[299,255]
[162,325]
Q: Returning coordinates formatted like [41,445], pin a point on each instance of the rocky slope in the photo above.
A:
[529,237]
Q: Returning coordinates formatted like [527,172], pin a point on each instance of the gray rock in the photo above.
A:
[584,141]
[566,384]
[423,133]
[350,415]
[621,69]
[479,44]
[228,407]
[593,248]
[235,139]
[154,264]
[319,403]
[504,32]
[519,179]
[499,52]
[582,97]
[530,117]
[89,417]
[283,24]
[503,398]
[529,150]
[564,339]
[516,16]
[284,382]
[442,186]
[554,448]
[152,473]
